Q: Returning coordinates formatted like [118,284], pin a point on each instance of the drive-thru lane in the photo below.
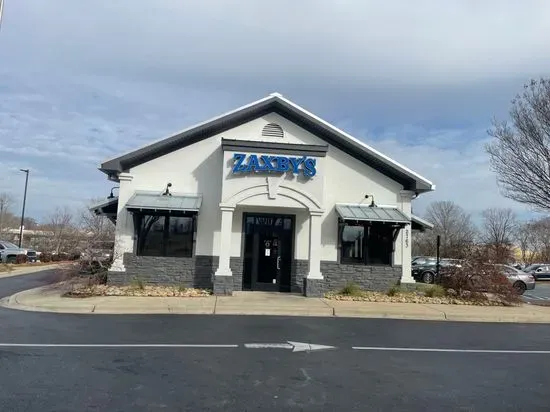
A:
[56,362]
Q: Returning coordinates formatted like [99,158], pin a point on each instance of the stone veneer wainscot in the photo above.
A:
[198,272]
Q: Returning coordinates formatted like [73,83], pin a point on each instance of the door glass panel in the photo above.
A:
[287,224]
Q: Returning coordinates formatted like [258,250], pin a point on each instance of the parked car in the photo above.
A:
[425,270]
[538,270]
[520,280]
[9,252]
[421,260]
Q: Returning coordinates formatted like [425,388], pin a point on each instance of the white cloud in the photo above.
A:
[84,81]
[343,43]
[460,171]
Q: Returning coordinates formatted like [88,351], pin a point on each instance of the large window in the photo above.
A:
[163,235]
[368,243]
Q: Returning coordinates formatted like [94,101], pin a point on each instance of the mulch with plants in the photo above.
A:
[409,297]
[424,294]
[82,291]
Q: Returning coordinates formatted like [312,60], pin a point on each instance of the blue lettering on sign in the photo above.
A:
[264,163]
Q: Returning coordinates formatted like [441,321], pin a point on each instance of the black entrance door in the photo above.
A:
[268,252]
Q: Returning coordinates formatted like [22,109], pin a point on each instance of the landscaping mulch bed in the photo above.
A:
[412,297]
[83,291]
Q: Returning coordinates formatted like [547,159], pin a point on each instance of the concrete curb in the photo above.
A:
[48,299]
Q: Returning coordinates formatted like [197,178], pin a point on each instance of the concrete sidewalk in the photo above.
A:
[48,299]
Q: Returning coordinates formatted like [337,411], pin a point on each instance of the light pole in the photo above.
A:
[24,201]
[1,10]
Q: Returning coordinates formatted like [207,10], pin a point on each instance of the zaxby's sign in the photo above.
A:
[243,163]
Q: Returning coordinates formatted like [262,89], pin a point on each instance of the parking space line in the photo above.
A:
[529,296]
[377,348]
[112,345]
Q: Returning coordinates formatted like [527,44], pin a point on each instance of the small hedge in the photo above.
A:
[21,259]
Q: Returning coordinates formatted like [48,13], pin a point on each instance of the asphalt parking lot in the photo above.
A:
[540,295]
[66,362]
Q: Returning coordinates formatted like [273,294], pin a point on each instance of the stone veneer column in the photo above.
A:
[124,232]
[406,239]
[223,278]
[314,282]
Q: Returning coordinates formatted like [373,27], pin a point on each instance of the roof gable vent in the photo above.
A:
[272,130]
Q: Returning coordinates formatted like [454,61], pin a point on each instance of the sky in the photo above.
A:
[81,81]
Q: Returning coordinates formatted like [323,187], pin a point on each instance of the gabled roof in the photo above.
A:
[274,103]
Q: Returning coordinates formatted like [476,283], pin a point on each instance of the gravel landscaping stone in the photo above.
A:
[79,291]
[412,297]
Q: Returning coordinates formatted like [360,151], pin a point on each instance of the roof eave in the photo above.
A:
[274,102]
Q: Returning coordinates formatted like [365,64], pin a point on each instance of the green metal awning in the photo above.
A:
[142,200]
[107,208]
[371,213]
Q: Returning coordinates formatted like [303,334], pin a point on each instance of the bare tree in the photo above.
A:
[6,202]
[96,243]
[499,227]
[64,233]
[454,226]
[524,238]
[96,228]
[539,240]
[520,152]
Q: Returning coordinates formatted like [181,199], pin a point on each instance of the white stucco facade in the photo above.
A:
[205,167]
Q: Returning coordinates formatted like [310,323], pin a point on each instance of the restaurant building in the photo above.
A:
[266,197]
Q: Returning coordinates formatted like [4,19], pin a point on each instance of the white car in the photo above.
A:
[9,252]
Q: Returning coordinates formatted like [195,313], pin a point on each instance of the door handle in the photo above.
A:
[278,263]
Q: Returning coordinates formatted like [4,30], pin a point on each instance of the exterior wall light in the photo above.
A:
[167,190]
[111,196]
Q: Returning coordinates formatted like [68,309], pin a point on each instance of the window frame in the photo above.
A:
[138,216]
[366,259]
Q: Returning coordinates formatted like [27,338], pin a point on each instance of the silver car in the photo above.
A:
[520,280]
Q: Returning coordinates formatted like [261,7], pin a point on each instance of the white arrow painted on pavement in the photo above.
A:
[295,346]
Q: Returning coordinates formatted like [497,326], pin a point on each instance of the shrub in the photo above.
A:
[478,281]
[55,258]
[394,290]
[45,257]
[138,284]
[21,259]
[435,291]
[351,289]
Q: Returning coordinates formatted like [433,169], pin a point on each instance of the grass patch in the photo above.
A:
[435,291]
[351,289]
[137,284]
[394,290]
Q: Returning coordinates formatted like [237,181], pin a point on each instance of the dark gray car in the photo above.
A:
[539,270]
